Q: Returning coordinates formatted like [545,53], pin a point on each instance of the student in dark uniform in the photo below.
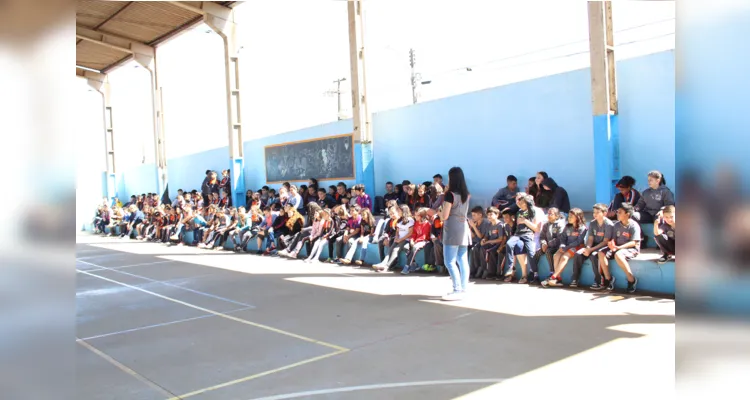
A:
[624,247]
[601,231]
[664,233]
[654,198]
[490,244]
[627,194]
[522,241]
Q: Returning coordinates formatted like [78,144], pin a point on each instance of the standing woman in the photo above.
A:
[456,235]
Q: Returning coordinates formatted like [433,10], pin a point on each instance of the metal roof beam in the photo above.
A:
[114,42]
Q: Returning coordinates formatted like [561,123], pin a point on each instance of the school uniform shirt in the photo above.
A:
[437,228]
[523,229]
[225,183]
[337,197]
[572,237]
[482,227]
[551,232]
[420,202]
[327,202]
[652,200]
[667,230]
[367,229]
[504,197]
[632,197]
[354,223]
[627,233]
[421,232]
[296,201]
[390,196]
[403,227]
[601,233]
[363,201]
[494,231]
[224,202]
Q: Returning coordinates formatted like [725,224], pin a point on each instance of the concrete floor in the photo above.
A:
[157,322]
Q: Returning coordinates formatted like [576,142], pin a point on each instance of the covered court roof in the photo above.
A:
[108,31]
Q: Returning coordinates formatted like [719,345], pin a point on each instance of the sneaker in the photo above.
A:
[664,259]
[632,285]
[596,286]
[429,268]
[405,271]
[283,253]
[551,282]
[358,262]
[523,280]
[174,237]
[345,261]
[453,296]
[611,286]
[574,283]
[259,252]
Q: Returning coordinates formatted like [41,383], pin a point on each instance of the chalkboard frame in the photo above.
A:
[352,177]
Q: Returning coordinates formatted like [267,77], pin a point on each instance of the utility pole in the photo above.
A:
[337,92]
[412,63]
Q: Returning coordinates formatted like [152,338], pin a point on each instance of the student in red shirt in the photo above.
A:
[420,236]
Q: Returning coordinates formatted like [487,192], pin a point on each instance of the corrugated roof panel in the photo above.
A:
[92,13]
[146,21]
[92,55]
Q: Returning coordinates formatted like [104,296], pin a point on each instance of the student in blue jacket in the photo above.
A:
[653,199]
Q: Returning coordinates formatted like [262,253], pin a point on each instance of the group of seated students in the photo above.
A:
[518,225]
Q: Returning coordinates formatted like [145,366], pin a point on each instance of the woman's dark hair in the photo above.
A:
[313,180]
[533,188]
[332,187]
[400,188]
[543,174]
[457,183]
[303,188]
[628,180]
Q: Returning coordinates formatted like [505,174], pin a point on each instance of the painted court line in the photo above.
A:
[100,268]
[125,369]
[166,283]
[236,319]
[179,321]
[258,375]
[378,387]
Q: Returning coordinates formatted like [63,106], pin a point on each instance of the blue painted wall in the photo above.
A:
[519,129]
[646,87]
[541,124]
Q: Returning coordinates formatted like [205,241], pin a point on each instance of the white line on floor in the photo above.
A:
[380,386]
[122,266]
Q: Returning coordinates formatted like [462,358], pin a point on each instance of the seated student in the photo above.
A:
[293,225]
[249,199]
[509,226]
[310,210]
[653,199]
[264,197]
[549,242]
[490,244]
[437,179]
[272,198]
[522,241]
[421,199]
[295,199]
[182,224]
[411,191]
[341,192]
[559,196]
[302,238]
[542,196]
[319,238]
[403,193]
[303,194]
[420,237]
[388,233]
[215,223]
[287,186]
[571,240]
[351,233]
[138,231]
[624,246]
[215,200]
[436,195]
[404,228]
[235,235]
[252,226]
[399,191]
[600,232]
[265,229]
[664,233]
[225,184]
[390,194]
[136,219]
[340,224]
[224,221]
[366,232]
[507,195]
[312,195]
[361,198]
[325,200]
[198,224]
[627,194]
[434,259]
[479,226]
[283,196]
